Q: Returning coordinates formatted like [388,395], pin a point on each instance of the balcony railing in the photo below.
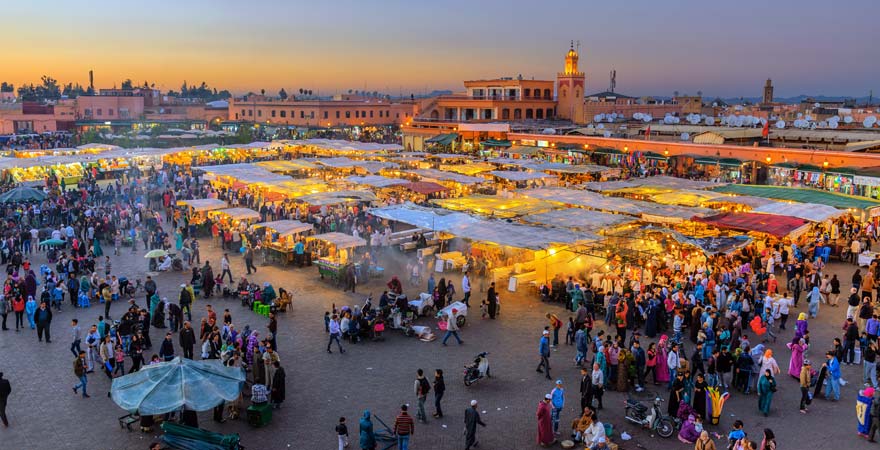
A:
[494,98]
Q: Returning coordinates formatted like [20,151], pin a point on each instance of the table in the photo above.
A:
[865,258]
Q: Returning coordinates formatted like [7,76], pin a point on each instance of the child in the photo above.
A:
[326,321]
[342,433]
[119,355]
[569,333]
[736,434]
[117,242]
[484,312]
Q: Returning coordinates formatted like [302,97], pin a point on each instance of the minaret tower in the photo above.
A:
[570,89]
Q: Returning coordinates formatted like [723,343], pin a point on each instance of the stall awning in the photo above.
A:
[659,180]
[496,143]
[285,227]
[240,213]
[727,162]
[376,181]
[425,187]
[439,175]
[515,175]
[579,219]
[337,197]
[341,240]
[523,150]
[654,156]
[813,212]
[204,204]
[442,139]
[494,206]
[607,151]
[779,226]
[467,169]
[801,195]
[287,166]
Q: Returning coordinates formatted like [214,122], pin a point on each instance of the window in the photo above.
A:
[527,92]
[337,114]
[87,112]
[547,94]
[357,114]
[326,114]
[348,114]
[371,114]
[505,114]
[283,113]
[302,114]
[251,112]
[236,116]
[312,115]
[243,113]
[530,114]
[363,114]
[549,113]
[99,112]
[539,113]
[259,113]
[273,113]
[396,115]
[110,112]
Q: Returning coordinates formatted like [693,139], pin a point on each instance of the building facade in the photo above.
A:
[352,111]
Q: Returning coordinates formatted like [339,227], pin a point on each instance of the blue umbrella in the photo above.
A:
[168,386]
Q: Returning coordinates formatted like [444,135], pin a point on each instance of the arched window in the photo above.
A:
[539,113]
[563,92]
[505,114]
[517,114]
[547,94]
[527,92]
[550,113]
[530,114]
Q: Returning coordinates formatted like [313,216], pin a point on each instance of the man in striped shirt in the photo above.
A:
[404,428]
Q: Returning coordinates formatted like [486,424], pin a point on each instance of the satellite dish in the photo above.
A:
[685,136]
[780,124]
[739,108]
[808,117]
[710,121]
[812,125]
[823,124]
[714,104]
[607,134]
[832,125]
[598,118]
[637,116]
[834,119]
[647,118]
[613,115]
[847,119]
[667,120]
[676,120]
[800,115]
[870,121]
[816,105]
[601,126]
[610,119]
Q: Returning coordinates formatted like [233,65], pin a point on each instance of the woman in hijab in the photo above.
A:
[367,438]
[704,442]
[800,327]
[797,357]
[662,368]
[768,362]
[766,389]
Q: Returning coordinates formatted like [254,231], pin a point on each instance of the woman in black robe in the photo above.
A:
[699,397]
[441,289]
[492,301]
[278,381]
[651,321]
[676,394]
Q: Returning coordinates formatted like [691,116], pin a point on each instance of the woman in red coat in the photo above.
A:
[545,427]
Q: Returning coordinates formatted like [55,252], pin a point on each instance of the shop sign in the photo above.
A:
[866,181]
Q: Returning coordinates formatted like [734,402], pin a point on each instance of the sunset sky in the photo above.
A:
[721,48]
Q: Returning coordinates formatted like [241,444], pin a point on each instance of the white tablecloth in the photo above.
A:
[865,258]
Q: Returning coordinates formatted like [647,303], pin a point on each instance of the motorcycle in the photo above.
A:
[477,369]
[651,418]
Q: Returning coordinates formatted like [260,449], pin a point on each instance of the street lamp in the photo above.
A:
[825,164]
[767,159]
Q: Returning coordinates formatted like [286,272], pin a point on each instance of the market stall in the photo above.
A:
[332,252]
[777,226]
[197,209]
[516,179]
[580,219]
[280,237]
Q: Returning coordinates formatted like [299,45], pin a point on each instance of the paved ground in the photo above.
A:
[379,376]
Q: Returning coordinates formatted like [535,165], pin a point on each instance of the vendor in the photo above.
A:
[395,286]
[269,295]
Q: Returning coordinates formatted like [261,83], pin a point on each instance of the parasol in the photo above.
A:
[22,194]
[168,386]
[157,253]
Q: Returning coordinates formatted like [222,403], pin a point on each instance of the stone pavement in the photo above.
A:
[321,387]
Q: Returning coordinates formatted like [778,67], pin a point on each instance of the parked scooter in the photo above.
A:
[651,418]
[477,369]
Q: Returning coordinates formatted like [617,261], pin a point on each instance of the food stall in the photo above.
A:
[495,206]
[197,209]
[332,252]
[280,237]
[234,218]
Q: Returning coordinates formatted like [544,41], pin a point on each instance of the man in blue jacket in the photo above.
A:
[832,390]
[544,351]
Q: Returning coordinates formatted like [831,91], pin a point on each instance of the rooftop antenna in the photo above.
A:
[578,47]
[613,76]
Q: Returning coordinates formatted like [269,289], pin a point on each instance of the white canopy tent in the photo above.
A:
[808,211]
[204,204]
[240,213]
[376,181]
[341,240]
[580,219]
[285,227]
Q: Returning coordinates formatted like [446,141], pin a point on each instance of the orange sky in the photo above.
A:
[386,45]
